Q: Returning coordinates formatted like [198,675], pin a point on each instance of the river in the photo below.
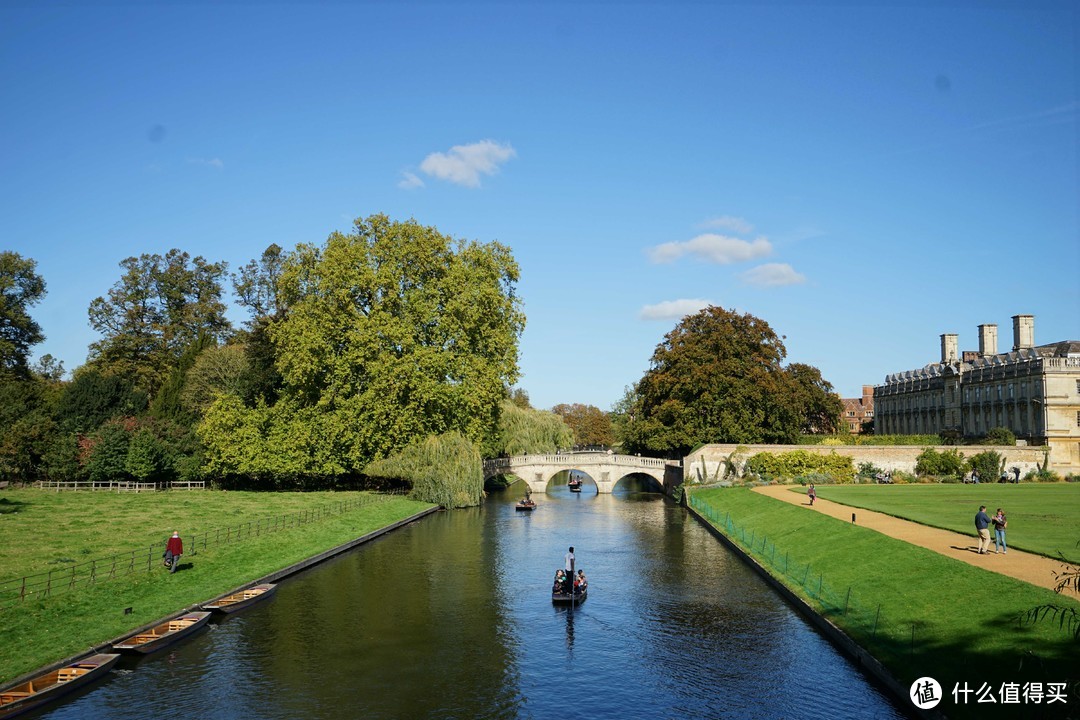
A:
[451,617]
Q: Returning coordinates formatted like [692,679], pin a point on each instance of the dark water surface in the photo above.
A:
[451,617]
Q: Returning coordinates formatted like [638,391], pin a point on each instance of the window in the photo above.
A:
[1078,387]
[1078,418]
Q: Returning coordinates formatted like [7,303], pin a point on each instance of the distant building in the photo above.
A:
[859,412]
[1034,391]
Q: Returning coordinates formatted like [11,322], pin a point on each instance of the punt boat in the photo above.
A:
[163,634]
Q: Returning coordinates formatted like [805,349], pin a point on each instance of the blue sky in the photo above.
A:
[863,176]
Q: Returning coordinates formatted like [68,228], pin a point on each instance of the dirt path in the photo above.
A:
[1030,568]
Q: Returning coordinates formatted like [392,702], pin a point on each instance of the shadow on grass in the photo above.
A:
[1032,667]
[8,507]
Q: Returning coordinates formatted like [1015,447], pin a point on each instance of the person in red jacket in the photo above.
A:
[173,550]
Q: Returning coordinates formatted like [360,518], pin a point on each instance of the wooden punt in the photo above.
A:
[525,505]
[240,600]
[52,685]
[561,598]
[163,634]
[574,485]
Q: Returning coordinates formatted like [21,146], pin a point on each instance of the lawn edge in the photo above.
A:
[863,659]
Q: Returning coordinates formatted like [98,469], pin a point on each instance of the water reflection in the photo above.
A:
[451,617]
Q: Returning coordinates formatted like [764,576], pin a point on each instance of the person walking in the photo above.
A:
[982,525]
[174,548]
[999,531]
[812,494]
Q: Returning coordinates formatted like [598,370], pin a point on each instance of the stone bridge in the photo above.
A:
[605,469]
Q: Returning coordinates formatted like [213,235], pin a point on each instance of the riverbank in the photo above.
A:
[915,611]
[38,631]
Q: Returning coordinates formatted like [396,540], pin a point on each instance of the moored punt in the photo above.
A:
[56,683]
[240,600]
[163,634]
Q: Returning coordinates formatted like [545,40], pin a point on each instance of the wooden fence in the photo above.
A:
[87,574]
[120,485]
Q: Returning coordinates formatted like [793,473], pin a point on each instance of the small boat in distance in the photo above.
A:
[163,634]
[574,484]
[240,600]
[51,685]
[525,504]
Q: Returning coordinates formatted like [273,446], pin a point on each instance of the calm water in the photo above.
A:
[451,617]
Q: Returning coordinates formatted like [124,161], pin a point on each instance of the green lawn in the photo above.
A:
[1043,518]
[917,611]
[50,529]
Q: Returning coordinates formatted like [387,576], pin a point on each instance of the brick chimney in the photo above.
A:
[988,340]
[950,348]
[1023,331]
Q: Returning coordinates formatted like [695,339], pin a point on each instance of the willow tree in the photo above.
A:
[392,333]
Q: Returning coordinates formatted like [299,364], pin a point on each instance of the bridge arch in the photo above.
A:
[606,469]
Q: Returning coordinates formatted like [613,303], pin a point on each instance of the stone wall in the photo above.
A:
[704,464]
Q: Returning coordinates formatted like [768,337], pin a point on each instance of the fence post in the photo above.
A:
[877,617]
[22,590]
[48,585]
[847,600]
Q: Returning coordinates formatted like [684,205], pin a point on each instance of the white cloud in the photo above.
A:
[672,309]
[727,222]
[409,181]
[713,248]
[773,275]
[209,162]
[464,164]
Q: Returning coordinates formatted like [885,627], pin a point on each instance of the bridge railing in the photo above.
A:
[579,459]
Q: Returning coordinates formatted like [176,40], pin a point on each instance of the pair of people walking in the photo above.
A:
[982,528]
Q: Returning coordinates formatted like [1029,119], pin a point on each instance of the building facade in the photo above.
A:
[859,412]
[1033,390]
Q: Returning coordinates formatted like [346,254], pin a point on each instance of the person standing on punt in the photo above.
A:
[173,550]
[570,559]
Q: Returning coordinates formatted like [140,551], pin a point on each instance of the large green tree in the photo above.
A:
[717,377]
[160,307]
[391,334]
[20,288]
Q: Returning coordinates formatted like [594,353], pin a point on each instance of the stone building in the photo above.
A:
[1033,390]
[859,412]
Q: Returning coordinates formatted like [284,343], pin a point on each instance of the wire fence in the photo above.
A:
[862,621]
[87,574]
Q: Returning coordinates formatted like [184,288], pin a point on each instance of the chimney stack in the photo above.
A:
[950,345]
[1023,331]
[988,340]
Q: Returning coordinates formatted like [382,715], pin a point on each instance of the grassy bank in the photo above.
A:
[918,612]
[51,529]
[1043,518]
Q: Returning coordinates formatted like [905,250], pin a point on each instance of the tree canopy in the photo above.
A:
[160,306]
[718,377]
[591,425]
[391,334]
[20,288]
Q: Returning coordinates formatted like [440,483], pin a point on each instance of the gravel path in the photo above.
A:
[1031,568]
